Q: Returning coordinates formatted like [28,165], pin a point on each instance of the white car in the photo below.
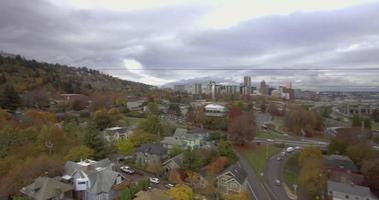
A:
[283,153]
[279,158]
[169,185]
[154,180]
[297,147]
[270,140]
[277,182]
[289,149]
[127,169]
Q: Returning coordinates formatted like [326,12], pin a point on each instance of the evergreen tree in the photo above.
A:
[93,139]
[9,98]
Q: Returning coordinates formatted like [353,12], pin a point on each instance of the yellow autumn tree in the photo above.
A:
[181,192]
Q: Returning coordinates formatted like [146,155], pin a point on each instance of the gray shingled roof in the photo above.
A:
[349,189]
[239,174]
[155,149]
[44,188]
[340,162]
[100,176]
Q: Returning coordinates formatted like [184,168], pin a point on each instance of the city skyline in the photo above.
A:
[197,41]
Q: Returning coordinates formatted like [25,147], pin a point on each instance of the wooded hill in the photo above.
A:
[26,75]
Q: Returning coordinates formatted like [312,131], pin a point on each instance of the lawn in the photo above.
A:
[375,126]
[257,156]
[130,121]
[278,122]
[291,171]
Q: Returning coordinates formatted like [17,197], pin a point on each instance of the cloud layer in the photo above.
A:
[173,42]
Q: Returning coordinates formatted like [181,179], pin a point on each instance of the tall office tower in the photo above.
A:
[212,87]
[263,88]
[247,85]
[196,88]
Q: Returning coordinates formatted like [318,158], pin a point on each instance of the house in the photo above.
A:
[147,153]
[340,163]
[175,162]
[135,104]
[341,191]
[232,180]
[184,139]
[343,177]
[215,110]
[154,194]
[45,188]
[93,179]
[117,133]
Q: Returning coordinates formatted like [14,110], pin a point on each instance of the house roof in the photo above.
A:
[340,162]
[178,159]
[44,188]
[172,141]
[154,194]
[349,189]
[238,173]
[180,132]
[344,177]
[99,173]
[156,149]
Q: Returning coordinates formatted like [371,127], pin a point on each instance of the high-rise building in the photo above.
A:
[246,85]
[212,87]
[196,88]
[231,89]
[263,88]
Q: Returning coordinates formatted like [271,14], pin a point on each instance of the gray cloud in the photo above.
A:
[170,37]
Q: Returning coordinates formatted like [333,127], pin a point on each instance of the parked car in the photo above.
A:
[277,182]
[289,149]
[297,147]
[154,180]
[283,153]
[127,169]
[169,185]
[279,158]
[270,140]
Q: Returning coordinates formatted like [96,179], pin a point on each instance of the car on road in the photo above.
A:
[127,169]
[154,180]
[283,153]
[289,149]
[279,158]
[277,182]
[297,148]
[169,185]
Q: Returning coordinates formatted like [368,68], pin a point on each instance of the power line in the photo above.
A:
[242,69]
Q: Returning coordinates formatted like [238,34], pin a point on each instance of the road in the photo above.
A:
[258,190]
[273,172]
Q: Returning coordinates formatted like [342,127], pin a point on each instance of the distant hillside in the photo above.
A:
[27,75]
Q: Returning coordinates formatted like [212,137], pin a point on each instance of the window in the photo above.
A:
[81,183]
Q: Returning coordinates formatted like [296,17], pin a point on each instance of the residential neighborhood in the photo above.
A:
[189,100]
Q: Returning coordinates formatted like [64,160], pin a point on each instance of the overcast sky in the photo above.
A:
[164,41]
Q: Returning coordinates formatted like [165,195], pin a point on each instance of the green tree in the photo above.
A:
[175,150]
[152,125]
[79,152]
[360,152]
[356,121]
[103,119]
[337,147]
[153,108]
[125,147]
[225,148]
[191,160]
[9,98]
[93,139]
